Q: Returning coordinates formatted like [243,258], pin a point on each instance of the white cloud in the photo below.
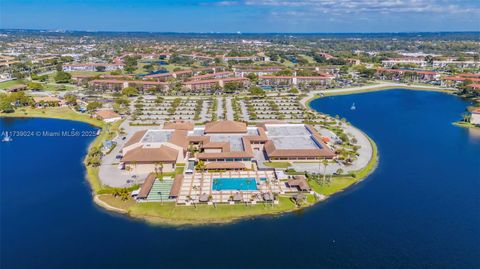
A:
[227,3]
[364,6]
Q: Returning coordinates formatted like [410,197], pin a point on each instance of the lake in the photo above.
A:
[419,209]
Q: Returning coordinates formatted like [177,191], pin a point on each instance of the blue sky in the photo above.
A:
[243,15]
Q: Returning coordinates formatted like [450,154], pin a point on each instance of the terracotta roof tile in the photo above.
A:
[106,114]
[177,185]
[136,137]
[146,155]
[147,186]
[179,125]
[225,126]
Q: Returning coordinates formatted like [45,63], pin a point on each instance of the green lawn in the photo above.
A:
[342,182]
[10,83]
[171,67]
[337,184]
[52,112]
[277,164]
[169,213]
[56,87]
[68,114]
[309,59]
[92,172]
[116,202]
[465,124]
[94,73]
[362,173]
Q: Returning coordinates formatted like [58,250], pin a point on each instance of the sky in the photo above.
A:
[246,16]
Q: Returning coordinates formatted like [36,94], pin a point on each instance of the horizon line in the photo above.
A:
[233,33]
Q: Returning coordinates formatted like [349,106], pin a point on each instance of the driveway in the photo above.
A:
[109,173]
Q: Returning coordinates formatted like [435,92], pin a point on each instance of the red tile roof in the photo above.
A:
[148,155]
[136,137]
[106,114]
[474,86]
[225,126]
[107,81]
[147,186]
[177,185]
[179,125]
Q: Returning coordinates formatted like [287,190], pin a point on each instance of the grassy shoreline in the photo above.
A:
[169,213]
[65,113]
[62,113]
[376,88]
[341,183]
[465,125]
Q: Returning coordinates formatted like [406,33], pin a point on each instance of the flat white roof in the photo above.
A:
[157,136]
[236,143]
[286,130]
[291,136]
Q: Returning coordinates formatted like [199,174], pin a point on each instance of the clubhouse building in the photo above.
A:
[222,145]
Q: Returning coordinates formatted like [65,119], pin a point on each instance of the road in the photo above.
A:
[229,108]
[364,155]
[109,173]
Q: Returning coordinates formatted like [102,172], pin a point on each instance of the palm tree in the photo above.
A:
[201,165]
[466,117]
[325,164]
[159,167]
[134,165]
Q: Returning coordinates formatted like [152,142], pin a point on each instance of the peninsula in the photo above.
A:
[198,137]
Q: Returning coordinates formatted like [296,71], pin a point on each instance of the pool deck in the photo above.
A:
[198,184]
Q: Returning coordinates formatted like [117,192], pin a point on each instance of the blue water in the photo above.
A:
[161,71]
[241,184]
[419,209]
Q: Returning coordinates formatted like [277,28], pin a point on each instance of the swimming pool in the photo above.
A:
[235,183]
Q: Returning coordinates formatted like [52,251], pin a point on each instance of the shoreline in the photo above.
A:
[99,190]
[60,113]
[367,89]
[162,221]
[465,125]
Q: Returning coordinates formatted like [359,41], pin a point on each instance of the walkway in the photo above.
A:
[229,108]
[219,107]
[364,155]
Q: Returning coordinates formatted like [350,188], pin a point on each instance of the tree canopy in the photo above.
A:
[34,86]
[130,91]
[62,77]
[93,105]
[257,91]
[100,68]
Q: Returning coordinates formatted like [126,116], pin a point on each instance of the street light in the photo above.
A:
[160,193]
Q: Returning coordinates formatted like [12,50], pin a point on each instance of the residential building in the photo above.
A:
[92,67]
[212,83]
[475,117]
[107,115]
[222,145]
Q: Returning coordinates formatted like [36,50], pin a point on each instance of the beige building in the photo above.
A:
[475,118]
[222,145]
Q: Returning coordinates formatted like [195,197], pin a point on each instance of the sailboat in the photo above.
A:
[353,107]
[6,138]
